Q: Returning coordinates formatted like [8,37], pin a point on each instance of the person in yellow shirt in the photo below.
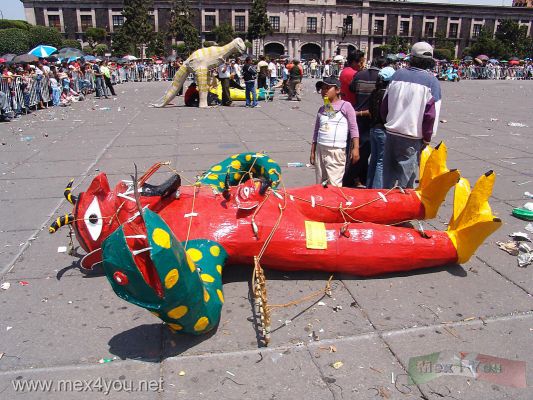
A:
[106,72]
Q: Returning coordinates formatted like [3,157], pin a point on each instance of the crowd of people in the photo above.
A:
[375,121]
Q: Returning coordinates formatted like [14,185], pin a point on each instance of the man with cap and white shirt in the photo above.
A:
[411,108]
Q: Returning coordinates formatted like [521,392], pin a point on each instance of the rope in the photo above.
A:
[190,218]
[325,291]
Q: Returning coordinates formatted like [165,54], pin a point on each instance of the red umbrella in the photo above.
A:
[514,62]
[2,60]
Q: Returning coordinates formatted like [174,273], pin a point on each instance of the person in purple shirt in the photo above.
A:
[410,109]
[335,120]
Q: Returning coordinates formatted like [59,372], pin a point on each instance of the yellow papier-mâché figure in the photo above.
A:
[199,63]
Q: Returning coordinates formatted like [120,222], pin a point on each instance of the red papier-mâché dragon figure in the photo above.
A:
[164,247]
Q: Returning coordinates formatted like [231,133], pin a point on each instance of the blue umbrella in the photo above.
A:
[42,51]
[89,58]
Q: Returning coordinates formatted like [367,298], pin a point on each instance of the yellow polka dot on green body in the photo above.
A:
[201,324]
[221,184]
[272,171]
[219,269]
[270,160]
[178,312]
[172,278]
[212,177]
[217,168]
[175,327]
[206,296]
[237,176]
[190,263]
[248,157]
[161,238]
[207,278]
[234,156]
[195,254]
[220,295]
[236,164]
[215,250]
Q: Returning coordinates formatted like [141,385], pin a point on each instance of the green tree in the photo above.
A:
[156,47]
[95,35]
[14,23]
[88,50]
[45,35]
[137,25]
[224,33]
[486,44]
[395,45]
[259,25]
[101,49]
[443,54]
[514,39]
[13,40]
[208,43]
[181,50]
[121,43]
[71,43]
[181,27]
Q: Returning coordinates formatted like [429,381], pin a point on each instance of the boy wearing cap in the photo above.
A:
[411,109]
[334,123]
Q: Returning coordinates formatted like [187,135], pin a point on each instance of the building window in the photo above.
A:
[378,26]
[274,23]
[348,25]
[240,23]
[404,28]
[54,22]
[454,30]
[429,29]
[86,21]
[476,30]
[118,21]
[209,22]
[311,24]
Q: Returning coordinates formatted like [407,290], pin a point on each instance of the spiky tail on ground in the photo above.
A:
[435,178]
[472,220]
[177,84]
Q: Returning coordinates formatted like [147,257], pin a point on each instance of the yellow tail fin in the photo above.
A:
[435,178]
[472,220]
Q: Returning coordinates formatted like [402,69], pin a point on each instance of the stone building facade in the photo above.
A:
[301,28]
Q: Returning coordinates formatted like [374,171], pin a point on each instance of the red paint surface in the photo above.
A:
[370,248]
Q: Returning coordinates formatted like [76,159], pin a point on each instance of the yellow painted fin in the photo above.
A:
[475,223]
[461,194]
[435,178]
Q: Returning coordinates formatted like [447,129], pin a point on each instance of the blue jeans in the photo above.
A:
[100,87]
[250,90]
[400,161]
[374,179]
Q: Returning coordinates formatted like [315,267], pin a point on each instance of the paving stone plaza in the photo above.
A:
[60,324]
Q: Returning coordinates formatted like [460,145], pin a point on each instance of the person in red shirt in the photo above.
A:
[192,96]
[347,74]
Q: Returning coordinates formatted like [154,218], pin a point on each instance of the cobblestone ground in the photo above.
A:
[57,323]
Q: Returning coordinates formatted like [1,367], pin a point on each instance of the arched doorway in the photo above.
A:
[310,51]
[274,50]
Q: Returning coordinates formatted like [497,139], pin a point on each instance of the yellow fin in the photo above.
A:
[435,179]
[475,223]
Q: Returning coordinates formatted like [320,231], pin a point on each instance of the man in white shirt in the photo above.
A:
[224,72]
[273,71]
